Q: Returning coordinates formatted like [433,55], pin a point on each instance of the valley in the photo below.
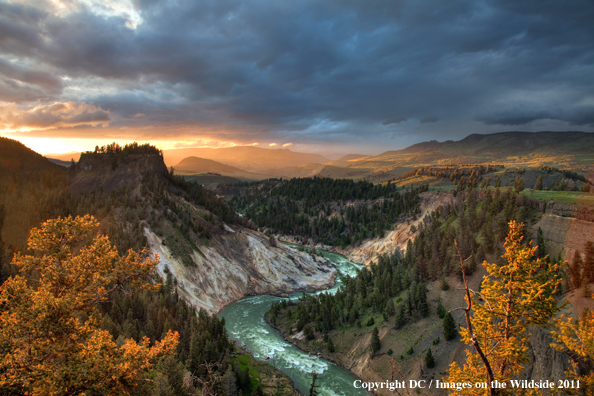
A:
[296,198]
[248,242]
[244,321]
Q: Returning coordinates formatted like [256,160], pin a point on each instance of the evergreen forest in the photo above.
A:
[394,290]
[162,202]
[337,212]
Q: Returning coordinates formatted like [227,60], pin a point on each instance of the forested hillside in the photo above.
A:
[323,210]
[478,221]
[392,295]
[131,313]
[29,184]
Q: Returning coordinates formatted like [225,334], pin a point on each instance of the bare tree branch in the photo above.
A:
[475,343]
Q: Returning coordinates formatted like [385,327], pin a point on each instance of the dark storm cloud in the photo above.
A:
[429,120]
[310,69]
[577,115]
[19,28]
[19,83]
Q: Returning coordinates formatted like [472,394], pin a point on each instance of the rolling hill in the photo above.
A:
[248,158]
[72,155]
[195,166]
[29,184]
[512,148]
[350,157]
[573,150]
[568,150]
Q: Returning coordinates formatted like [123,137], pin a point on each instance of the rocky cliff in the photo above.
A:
[242,262]
[214,256]
[111,171]
[565,235]
[397,238]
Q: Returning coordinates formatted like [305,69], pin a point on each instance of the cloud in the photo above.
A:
[21,83]
[287,144]
[429,120]
[394,120]
[55,115]
[524,113]
[321,71]
[512,119]
[273,145]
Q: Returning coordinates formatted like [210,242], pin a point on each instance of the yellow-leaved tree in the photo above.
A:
[50,342]
[515,295]
[578,337]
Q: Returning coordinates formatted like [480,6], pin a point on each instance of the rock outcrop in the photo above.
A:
[242,262]
[111,172]
[564,235]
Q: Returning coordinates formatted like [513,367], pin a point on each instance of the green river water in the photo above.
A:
[245,324]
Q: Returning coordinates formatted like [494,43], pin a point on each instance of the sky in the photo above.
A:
[325,76]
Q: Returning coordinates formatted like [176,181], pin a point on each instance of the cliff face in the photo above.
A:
[242,262]
[397,238]
[111,171]
[564,235]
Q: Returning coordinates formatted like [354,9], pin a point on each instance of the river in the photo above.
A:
[244,320]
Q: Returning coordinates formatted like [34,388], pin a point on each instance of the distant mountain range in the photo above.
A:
[511,148]
[248,158]
[195,165]
[66,157]
[561,149]
[60,162]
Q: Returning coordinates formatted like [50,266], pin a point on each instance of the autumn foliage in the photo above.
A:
[578,337]
[514,296]
[50,342]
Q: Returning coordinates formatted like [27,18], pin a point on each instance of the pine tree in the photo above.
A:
[542,252]
[441,312]
[424,309]
[230,383]
[514,296]
[578,337]
[330,346]
[518,184]
[449,327]
[575,270]
[429,361]
[308,332]
[390,310]
[47,347]
[375,341]
[400,318]
[538,184]
[313,386]
[588,273]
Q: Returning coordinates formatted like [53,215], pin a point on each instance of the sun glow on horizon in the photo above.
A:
[33,138]
[57,146]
